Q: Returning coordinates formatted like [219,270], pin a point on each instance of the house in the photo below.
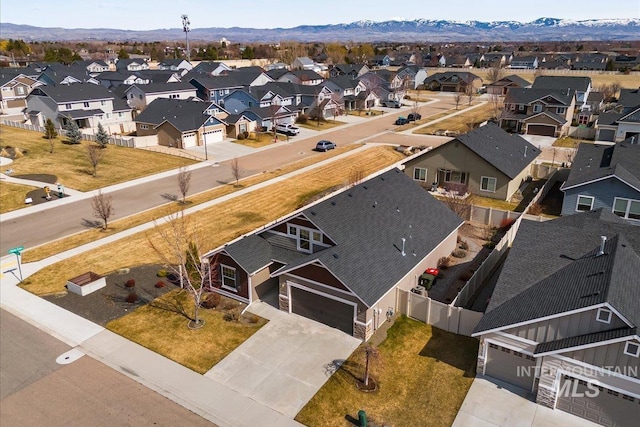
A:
[212,68]
[613,126]
[538,111]
[112,79]
[405,59]
[524,62]
[629,99]
[175,65]
[14,89]
[495,59]
[605,176]
[340,260]
[453,81]
[562,322]
[413,75]
[487,162]
[502,86]
[181,123]
[93,66]
[347,90]
[85,103]
[380,61]
[60,74]
[352,70]
[159,76]
[386,84]
[303,63]
[213,89]
[581,85]
[239,100]
[276,66]
[303,77]
[139,96]
[239,124]
[125,65]
[267,117]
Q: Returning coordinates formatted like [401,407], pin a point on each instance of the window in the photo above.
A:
[103,102]
[420,174]
[144,126]
[68,106]
[583,119]
[603,315]
[522,107]
[632,349]
[86,105]
[537,108]
[131,96]
[20,90]
[626,208]
[292,231]
[108,115]
[512,107]
[488,184]
[316,236]
[455,176]
[561,110]
[585,203]
[228,277]
[120,114]
[221,92]
[304,241]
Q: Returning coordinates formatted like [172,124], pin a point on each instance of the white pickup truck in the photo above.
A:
[287,129]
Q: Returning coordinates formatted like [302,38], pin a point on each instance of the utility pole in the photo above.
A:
[185,28]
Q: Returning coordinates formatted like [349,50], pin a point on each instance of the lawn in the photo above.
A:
[260,140]
[459,123]
[217,224]
[365,113]
[425,377]
[569,142]
[70,163]
[12,196]
[78,239]
[324,125]
[165,331]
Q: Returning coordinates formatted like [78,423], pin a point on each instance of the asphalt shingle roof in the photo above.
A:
[367,223]
[580,84]
[594,161]
[184,115]
[553,267]
[529,95]
[75,92]
[165,87]
[586,339]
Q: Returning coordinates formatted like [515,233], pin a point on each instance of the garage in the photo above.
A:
[216,135]
[543,130]
[189,140]
[605,407]
[322,309]
[510,366]
[606,135]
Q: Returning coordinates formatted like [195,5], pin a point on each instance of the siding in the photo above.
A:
[607,356]
[319,274]
[241,275]
[603,192]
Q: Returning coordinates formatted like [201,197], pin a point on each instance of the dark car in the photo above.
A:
[325,145]
[414,116]
[402,120]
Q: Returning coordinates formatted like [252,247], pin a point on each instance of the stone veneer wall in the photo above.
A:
[546,397]
[283,303]
[481,360]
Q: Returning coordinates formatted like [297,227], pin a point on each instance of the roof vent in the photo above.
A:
[397,208]
[313,212]
[333,203]
[336,256]
[525,151]
[603,240]
[403,241]
[350,195]
[365,187]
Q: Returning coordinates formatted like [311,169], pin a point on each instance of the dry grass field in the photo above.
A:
[628,81]
[12,196]
[218,224]
[70,163]
[460,123]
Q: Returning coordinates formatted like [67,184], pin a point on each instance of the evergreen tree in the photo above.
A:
[102,137]
[73,132]
[50,132]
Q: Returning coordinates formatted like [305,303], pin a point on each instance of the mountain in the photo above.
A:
[419,30]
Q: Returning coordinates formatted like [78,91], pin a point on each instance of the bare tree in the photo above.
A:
[177,243]
[457,97]
[356,175]
[415,109]
[372,360]
[184,182]
[497,106]
[236,170]
[470,94]
[455,200]
[95,155]
[102,205]
[495,73]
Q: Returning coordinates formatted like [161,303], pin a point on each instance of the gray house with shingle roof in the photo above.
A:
[487,161]
[605,176]
[563,319]
[340,261]
[538,111]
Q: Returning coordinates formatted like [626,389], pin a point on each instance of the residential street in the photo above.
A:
[71,215]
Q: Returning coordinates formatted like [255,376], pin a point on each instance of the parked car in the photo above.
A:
[391,103]
[325,145]
[402,120]
[414,116]
[287,129]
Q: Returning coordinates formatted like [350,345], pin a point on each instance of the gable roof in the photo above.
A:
[510,154]
[629,97]
[462,75]
[519,95]
[163,87]
[553,267]
[580,84]
[74,92]
[511,79]
[572,342]
[366,223]
[184,115]
[596,162]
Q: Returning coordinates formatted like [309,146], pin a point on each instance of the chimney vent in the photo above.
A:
[403,241]
[603,240]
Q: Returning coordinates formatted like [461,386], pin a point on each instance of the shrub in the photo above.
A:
[246,134]
[251,318]
[240,136]
[162,273]
[228,305]
[160,285]
[535,209]
[463,245]
[132,298]
[232,315]
[212,300]
[130,283]
[443,263]
[490,245]
[459,253]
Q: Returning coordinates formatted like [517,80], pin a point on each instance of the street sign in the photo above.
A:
[17,250]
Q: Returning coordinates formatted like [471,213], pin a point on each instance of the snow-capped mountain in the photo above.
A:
[418,30]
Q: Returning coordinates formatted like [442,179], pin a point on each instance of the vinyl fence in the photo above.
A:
[121,141]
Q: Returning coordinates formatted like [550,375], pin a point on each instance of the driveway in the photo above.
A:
[493,403]
[285,363]
[540,141]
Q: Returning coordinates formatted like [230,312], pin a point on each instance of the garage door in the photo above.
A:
[189,140]
[543,130]
[213,136]
[510,366]
[322,309]
[608,407]
[607,135]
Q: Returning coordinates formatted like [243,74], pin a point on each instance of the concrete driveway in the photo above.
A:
[493,403]
[285,363]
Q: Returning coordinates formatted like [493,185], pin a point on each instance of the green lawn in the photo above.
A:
[425,377]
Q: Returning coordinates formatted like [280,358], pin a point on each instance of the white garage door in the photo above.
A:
[189,140]
[213,136]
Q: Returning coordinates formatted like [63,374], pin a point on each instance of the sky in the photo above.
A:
[155,14]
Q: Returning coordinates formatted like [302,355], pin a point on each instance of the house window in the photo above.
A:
[316,236]
[561,110]
[626,208]
[131,96]
[420,174]
[221,92]
[68,106]
[304,240]
[632,349]
[522,107]
[537,108]
[120,114]
[292,230]
[455,177]
[86,105]
[583,119]
[603,315]
[144,126]
[585,203]
[228,277]
[103,102]
[108,115]
[488,184]
[20,90]
[512,107]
